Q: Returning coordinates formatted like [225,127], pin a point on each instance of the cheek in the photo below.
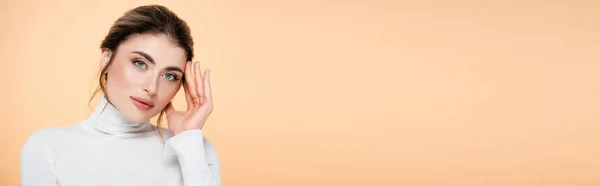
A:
[125,77]
[167,89]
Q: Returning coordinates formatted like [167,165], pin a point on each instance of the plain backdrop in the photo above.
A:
[344,92]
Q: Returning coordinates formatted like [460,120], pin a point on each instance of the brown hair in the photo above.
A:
[148,19]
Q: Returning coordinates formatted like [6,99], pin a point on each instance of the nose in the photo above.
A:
[151,86]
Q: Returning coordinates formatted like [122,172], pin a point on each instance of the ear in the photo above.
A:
[105,57]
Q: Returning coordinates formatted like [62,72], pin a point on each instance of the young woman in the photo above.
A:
[145,59]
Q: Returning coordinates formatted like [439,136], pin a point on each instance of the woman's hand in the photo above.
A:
[199,101]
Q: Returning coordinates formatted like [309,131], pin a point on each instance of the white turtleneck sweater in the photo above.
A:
[108,149]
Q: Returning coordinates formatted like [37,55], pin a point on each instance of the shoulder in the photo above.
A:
[45,135]
[50,137]
[40,141]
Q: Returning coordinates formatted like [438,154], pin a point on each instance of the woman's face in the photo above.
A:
[144,75]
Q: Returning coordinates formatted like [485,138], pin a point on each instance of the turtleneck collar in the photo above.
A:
[108,120]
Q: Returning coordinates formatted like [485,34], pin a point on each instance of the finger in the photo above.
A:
[189,81]
[169,109]
[198,82]
[207,88]
[188,98]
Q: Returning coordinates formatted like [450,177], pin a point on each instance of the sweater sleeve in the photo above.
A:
[197,158]
[37,163]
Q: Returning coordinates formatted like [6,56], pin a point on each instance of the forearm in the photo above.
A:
[190,148]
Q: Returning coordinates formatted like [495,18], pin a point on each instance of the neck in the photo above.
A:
[109,120]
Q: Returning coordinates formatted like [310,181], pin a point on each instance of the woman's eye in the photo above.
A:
[140,64]
[171,77]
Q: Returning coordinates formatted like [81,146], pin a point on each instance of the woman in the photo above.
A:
[145,59]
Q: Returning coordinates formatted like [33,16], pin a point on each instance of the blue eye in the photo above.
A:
[140,64]
[171,77]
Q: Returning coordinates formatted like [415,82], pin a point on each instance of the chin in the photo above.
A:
[138,116]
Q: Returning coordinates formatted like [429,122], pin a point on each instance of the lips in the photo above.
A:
[142,104]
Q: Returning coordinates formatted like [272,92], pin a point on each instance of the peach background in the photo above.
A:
[352,92]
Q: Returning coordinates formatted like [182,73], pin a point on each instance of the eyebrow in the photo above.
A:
[174,69]
[149,58]
[143,54]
